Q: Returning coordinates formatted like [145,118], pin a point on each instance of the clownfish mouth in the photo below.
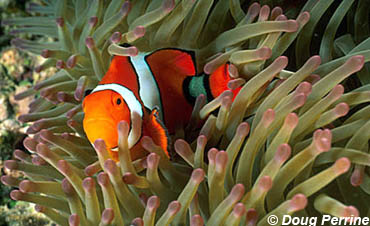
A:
[114,149]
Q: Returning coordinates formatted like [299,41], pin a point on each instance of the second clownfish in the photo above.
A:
[160,87]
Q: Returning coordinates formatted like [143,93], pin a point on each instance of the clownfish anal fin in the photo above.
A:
[155,128]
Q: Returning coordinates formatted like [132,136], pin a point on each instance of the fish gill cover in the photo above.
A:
[293,142]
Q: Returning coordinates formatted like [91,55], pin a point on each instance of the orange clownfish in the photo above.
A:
[160,87]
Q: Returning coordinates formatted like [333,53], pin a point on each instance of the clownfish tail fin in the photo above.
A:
[219,79]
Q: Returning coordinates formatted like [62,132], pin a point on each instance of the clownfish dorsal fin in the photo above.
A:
[154,128]
[176,59]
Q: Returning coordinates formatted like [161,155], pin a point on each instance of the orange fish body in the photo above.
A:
[160,87]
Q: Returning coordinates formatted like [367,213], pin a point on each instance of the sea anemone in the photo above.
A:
[285,145]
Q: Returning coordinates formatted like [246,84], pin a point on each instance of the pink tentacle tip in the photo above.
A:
[304,87]
[268,117]
[265,183]
[78,95]
[168,5]
[93,21]
[252,217]
[137,222]
[239,210]
[264,13]
[254,9]
[181,146]
[37,160]
[281,61]
[107,216]
[46,134]
[276,11]
[226,93]
[357,177]
[139,31]
[59,21]
[281,17]
[315,60]
[20,155]
[67,186]
[74,220]
[147,143]
[196,220]
[11,164]
[26,186]
[226,102]
[356,62]
[237,191]
[7,180]
[342,165]
[99,145]
[298,202]
[243,129]
[350,211]
[64,167]
[88,184]
[152,160]
[16,195]
[90,43]
[42,150]
[341,109]
[174,207]
[153,203]
[103,179]
[71,62]
[221,160]
[233,71]
[201,140]
[299,99]
[304,17]
[30,143]
[337,91]
[292,120]
[322,140]
[283,153]
[116,37]
[110,166]
[197,175]
[132,51]
[123,127]
[212,155]
[292,26]
[264,53]
[126,7]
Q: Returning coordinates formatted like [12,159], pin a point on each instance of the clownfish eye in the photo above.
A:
[119,101]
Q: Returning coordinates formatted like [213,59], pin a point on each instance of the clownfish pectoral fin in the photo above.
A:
[154,128]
